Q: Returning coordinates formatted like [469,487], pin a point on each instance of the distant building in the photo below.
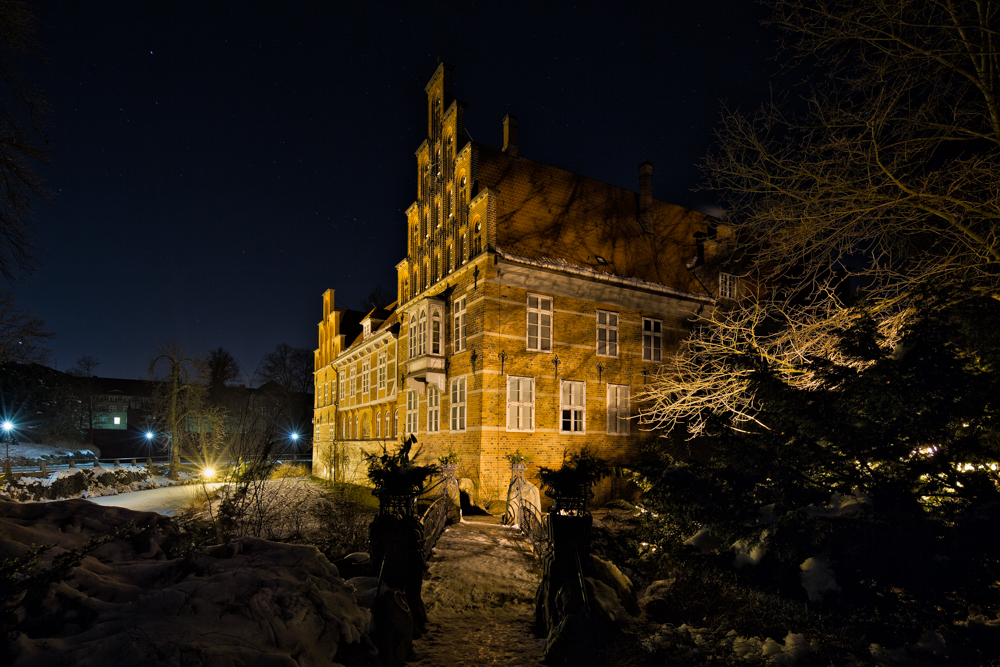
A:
[533,304]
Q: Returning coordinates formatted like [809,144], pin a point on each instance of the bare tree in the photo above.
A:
[222,369]
[177,396]
[290,367]
[84,371]
[889,175]
[21,140]
[22,333]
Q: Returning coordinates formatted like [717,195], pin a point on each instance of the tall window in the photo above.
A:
[433,409]
[458,404]
[411,411]
[378,425]
[652,339]
[366,375]
[395,422]
[381,370]
[343,382]
[435,331]
[413,335]
[727,286]
[520,404]
[422,333]
[343,428]
[539,323]
[607,334]
[388,424]
[459,337]
[354,428]
[354,381]
[618,409]
[572,407]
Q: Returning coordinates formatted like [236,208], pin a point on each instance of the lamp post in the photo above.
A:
[8,437]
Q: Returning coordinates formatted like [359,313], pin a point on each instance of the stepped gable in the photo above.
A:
[547,213]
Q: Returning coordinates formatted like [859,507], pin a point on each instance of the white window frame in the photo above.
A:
[619,409]
[460,327]
[388,423]
[366,375]
[343,382]
[727,285]
[382,363]
[572,406]
[539,342]
[395,421]
[422,332]
[433,409]
[378,425]
[609,329]
[457,404]
[436,331]
[354,381]
[520,412]
[412,407]
[652,339]
[413,335]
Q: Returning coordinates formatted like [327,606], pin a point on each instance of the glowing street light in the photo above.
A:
[8,426]
[209,473]
[8,437]
[295,437]
[149,435]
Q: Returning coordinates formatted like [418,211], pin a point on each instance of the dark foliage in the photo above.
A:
[909,433]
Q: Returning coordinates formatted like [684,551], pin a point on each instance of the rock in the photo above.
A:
[610,574]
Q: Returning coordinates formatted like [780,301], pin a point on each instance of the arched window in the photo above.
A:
[343,428]
[395,422]
[378,424]
[388,425]
[435,331]
[356,432]
[422,333]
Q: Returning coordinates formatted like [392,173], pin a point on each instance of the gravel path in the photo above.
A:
[480,599]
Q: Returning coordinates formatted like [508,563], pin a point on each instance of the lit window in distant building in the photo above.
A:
[113,408]
[381,370]
[422,333]
[118,420]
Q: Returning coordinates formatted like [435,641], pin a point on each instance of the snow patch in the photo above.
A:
[817,578]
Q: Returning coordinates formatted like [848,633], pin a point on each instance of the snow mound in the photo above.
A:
[129,603]
[704,541]
[817,578]
[841,504]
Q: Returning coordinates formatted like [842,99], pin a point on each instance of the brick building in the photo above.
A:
[533,304]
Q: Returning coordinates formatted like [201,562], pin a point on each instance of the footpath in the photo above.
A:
[480,598]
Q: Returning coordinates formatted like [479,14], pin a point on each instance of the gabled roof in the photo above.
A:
[391,323]
[548,213]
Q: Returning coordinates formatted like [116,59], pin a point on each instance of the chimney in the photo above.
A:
[510,135]
[644,214]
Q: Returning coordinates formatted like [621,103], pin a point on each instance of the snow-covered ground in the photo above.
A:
[480,599]
[30,451]
[166,500]
[142,600]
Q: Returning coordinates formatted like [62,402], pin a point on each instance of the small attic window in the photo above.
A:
[601,261]
[368,328]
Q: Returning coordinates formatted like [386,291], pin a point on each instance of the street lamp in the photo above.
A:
[8,437]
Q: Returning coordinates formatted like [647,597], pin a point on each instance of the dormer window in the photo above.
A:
[368,328]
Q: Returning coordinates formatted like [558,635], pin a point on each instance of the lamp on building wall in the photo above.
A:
[645,374]
[555,362]
[600,371]
[472,360]
[503,360]
[475,277]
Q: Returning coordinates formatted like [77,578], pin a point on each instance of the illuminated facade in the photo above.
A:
[533,304]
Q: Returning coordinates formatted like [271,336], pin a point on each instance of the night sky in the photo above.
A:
[216,166]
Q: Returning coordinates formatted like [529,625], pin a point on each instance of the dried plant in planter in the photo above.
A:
[570,485]
[395,474]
